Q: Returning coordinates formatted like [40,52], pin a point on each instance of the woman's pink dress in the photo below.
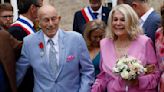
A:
[142,49]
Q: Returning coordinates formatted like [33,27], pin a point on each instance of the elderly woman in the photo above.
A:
[124,38]
[93,33]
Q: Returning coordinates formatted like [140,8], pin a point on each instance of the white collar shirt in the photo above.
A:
[29,21]
[99,11]
[56,45]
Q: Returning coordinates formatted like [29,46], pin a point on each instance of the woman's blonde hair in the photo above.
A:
[131,22]
[90,27]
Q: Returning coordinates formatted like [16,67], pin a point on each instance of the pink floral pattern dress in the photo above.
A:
[159,45]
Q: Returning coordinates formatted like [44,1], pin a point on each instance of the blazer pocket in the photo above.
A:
[70,58]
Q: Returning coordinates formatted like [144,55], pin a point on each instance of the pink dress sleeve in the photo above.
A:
[150,81]
[100,83]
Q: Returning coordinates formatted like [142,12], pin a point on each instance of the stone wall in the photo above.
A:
[156,3]
[67,8]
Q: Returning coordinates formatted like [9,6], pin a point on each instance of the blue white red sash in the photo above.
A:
[25,25]
[87,14]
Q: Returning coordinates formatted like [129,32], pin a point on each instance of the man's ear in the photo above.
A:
[59,18]
[134,5]
[32,8]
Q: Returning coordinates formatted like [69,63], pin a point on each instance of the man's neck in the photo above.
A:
[27,16]
[144,8]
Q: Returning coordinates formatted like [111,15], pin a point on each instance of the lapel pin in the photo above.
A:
[103,14]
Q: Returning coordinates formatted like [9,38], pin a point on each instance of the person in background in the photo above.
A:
[57,67]
[27,15]
[149,18]
[124,37]
[6,15]
[95,10]
[10,48]
[36,21]
[93,33]
[22,27]
[160,48]
[120,1]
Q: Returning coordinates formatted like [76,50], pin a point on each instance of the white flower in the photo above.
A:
[125,74]
[128,67]
[116,70]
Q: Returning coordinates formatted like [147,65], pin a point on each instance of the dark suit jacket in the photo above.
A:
[9,48]
[79,21]
[17,32]
[151,25]
[28,81]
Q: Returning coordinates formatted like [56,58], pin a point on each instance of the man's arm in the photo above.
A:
[87,68]
[22,64]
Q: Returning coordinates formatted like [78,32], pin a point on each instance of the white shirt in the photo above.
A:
[99,11]
[145,16]
[56,45]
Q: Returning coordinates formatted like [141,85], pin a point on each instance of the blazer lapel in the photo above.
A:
[42,52]
[104,16]
[147,22]
[62,53]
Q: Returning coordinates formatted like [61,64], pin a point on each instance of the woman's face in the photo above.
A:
[96,36]
[118,24]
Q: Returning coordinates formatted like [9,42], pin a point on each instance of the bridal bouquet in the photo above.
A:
[128,67]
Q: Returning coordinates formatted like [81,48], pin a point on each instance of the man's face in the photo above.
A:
[6,18]
[95,4]
[137,8]
[49,22]
[120,1]
[34,10]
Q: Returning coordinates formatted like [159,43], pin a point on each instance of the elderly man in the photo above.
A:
[6,15]
[89,13]
[57,67]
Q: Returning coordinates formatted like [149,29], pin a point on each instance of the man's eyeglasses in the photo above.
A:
[7,16]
